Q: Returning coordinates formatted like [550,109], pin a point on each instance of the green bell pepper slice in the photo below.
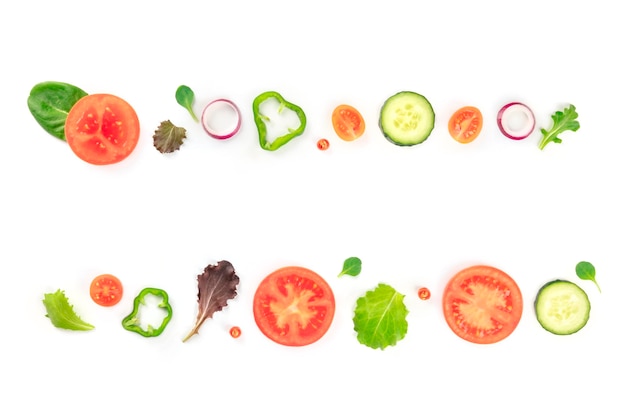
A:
[132,322]
[261,120]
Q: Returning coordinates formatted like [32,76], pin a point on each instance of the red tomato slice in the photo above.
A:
[482,304]
[348,122]
[102,129]
[294,306]
[106,290]
[465,124]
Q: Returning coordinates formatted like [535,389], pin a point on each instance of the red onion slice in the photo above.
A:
[516,121]
[221,119]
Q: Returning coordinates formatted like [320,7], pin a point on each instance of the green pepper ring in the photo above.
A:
[260,119]
[132,321]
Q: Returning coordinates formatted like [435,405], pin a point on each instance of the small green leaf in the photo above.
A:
[586,271]
[351,266]
[61,312]
[50,102]
[185,97]
[380,317]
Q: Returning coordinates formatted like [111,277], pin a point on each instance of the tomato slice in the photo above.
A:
[294,306]
[348,122]
[465,124]
[106,290]
[482,304]
[102,129]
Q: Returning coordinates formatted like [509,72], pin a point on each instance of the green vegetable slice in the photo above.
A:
[406,118]
[61,312]
[562,307]
[50,102]
[380,317]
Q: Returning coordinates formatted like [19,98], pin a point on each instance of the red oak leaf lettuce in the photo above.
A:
[216,285]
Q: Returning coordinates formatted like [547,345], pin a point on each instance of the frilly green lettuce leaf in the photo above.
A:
[61,312]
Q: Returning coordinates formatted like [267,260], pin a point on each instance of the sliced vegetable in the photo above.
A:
[562,121]
[482,304]
[516,121]
[407,118]
[380,317]
[586,271]
[221,119]
[562,307]
[50,102]
[106,290]
[423,293]
[235,332]
[348,122]
[465,124]
[168,138]
[323,144]
[134,323]
[185,97]
[351,266]
[294,306]
[102,129]
[61,312]
[216,285]
[265,124]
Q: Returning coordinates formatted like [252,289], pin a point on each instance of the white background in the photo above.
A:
[415,216]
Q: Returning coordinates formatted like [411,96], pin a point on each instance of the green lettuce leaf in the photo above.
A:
[380,317]
[61,312]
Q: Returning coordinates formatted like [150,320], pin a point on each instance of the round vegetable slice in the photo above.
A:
[294,306]
[406,118]
[102,129]
[106,290]
[516,121]
[465,124]
[221,119]
[348,122]
[482,304]
[562,307]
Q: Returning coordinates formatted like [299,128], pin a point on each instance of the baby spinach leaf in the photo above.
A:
[351,266]
[185,97]
[380,317]
[50,102]
[61,312]
[586,271]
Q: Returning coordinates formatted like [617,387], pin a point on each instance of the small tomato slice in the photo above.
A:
[294,306]
[102,129]
[106,290]
[348,122]
[482,304]
[465,124]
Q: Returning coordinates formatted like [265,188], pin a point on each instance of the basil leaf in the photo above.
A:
[50,102]
[351,266]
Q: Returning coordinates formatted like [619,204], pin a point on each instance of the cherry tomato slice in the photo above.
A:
[423,293]
[348,122]
[294,306]
[106,290]
[465,124]
[235,332]
[482,304]
[102,129]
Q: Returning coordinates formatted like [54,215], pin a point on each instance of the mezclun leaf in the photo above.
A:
[586,271]
[61,312]
[168,137]
[351,266]
[185,97]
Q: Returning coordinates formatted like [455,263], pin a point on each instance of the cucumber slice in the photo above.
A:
[562,307]
[406,118]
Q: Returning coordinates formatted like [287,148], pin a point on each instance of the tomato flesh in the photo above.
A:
[482,304]
[348,122]
[106,290]
[294,306]
[102,129]
[465,124]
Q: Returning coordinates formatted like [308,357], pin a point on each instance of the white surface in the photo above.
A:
[413,215]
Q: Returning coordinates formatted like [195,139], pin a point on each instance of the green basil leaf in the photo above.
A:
[50,102]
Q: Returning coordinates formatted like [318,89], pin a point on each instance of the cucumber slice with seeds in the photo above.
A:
[562,307]
[406,118]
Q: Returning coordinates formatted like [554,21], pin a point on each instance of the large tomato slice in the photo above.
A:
[348,122]
[482,304]
[465,124]
[294,306]
[102,129]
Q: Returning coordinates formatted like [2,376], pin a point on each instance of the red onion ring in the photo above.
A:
[211,114]
[513,129]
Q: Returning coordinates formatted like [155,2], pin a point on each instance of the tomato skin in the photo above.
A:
[348,122]
[294,306]
[482,304]
[106,290]
[465,124]
[102,129]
